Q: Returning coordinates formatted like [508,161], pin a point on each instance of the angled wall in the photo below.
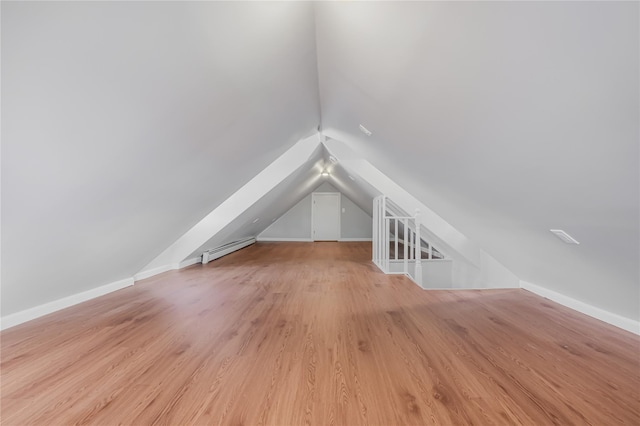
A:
[125,123]
[262,191]
[273,204]
[473,267]
[506,119]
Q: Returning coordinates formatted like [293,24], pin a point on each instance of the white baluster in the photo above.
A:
[387,241]
[412,245]
[406,246]
[373,230]
[396,246]
[418,250]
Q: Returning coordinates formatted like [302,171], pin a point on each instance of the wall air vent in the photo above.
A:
[365,130]
[564,236]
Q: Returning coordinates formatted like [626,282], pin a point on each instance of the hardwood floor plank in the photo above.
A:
[314,334]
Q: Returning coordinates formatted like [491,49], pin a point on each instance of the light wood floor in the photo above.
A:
[313,333]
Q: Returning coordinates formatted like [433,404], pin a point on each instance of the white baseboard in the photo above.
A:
[189,262]
[50,307]
[160,269]
[155,271]
[614,319]
[299,240]
[345,240]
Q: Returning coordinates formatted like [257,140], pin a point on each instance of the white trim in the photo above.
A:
[155,271]
[300,240]
[50,307]
[189,262]
[614,319]
[346,240]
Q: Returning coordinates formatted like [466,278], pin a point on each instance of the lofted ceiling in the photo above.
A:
[507,119]
[124,124]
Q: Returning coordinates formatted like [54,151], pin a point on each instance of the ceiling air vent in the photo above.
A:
[365,130]
[564,236]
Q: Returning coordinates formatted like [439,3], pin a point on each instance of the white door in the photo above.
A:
[326,216]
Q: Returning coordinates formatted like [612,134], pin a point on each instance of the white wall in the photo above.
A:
[472,268]
[295,224]
[355,223]
[239,215]
[506,119]
[125,123]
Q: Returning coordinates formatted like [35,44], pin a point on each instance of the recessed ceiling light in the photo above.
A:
[325,173]
[333,159]
[564,236]
[365,130]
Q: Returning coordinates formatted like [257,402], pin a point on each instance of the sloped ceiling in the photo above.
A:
[507,119]
[124,124]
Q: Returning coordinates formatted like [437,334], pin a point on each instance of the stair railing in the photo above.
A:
[389,231]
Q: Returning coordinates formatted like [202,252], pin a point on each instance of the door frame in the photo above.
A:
[313,209]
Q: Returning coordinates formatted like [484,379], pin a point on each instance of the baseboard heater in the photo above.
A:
[217,252]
